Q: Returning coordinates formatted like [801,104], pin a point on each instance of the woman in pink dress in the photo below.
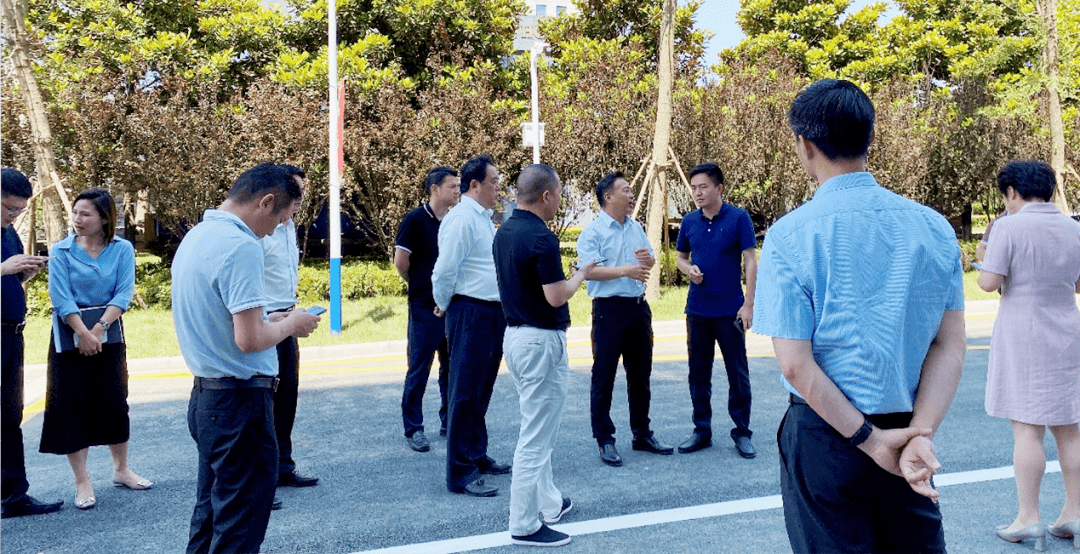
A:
[1034,374]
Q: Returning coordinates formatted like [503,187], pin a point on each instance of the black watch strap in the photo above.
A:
[862,434]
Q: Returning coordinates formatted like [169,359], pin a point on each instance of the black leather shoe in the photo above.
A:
[296,479]
[745,448]
[418,442]
[276,505]
[496,469]
[30,506]
[609,455]
[479,488]
[697,441]
[650,444]
[442,431]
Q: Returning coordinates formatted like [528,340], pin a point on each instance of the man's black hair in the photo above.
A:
[293,170]
[711,170]
[836,116]
[533,181]
[475,170]
[263,179]
[605,184]
[1029,178]
[14,183]
[436,176]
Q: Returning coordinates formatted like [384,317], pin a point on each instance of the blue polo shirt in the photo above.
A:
[77,280]
[218,272]
[14,299]
[716,246]
[865,275]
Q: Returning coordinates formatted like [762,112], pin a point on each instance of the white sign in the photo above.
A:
[527,135]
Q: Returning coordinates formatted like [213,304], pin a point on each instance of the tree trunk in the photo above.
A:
[49,188]
[658,204]
[1048,11]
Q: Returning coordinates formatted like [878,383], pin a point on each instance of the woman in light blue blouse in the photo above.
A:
[86,400]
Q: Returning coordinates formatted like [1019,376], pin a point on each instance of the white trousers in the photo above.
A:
[538,362]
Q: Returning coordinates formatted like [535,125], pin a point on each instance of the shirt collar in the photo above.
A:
[847,181]
[720,212]
[427,210]
[67,242]
[470,202]
[1040,208]
[606,219]
[213,214]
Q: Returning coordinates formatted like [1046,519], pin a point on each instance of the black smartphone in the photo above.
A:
[316,310]
[739,325]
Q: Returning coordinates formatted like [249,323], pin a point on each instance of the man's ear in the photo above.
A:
[267,201]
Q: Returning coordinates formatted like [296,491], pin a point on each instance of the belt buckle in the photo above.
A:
[277,381]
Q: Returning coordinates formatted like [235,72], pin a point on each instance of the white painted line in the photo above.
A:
[674,515]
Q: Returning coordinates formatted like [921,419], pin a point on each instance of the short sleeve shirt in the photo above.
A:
[218,272]
[616,242]
[865,275]
[14,299]
[716,246]
[418,235]
[527,258]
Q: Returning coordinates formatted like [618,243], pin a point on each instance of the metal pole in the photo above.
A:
[335,174]
[535,101]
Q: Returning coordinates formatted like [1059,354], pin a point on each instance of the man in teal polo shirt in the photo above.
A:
[862,291]
[228,344]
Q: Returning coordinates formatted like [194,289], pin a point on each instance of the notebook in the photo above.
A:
[65,336]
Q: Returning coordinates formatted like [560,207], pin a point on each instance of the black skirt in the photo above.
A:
[85,400]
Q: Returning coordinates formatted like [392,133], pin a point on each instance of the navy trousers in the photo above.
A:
[12,464]
[701,334]
[474,334]
[621,327]
[427,337]
[285,398]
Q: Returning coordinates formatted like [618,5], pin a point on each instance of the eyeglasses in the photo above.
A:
[13,212]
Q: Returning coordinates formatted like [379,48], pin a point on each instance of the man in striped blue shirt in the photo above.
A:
[466,291]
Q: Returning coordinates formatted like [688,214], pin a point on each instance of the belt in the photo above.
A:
[895,420]
[230,383]
[488,303]
[621,299]
[16,328]
[282,310]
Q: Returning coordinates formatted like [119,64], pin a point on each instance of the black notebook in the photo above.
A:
[65,335]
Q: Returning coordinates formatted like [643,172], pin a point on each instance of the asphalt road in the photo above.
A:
[375,493]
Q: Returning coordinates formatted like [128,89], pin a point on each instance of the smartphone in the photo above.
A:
[739,325]
[577,264]
[977,266]
[316,310]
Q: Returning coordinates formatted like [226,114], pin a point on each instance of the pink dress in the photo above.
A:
[1034,373]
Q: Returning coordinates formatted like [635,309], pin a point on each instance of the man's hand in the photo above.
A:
[746,314]
[24,264]
[884,446]
[438,312]
[637,272]
[918,464]
[303,322]
[696,276]
[644,258]
[90,341]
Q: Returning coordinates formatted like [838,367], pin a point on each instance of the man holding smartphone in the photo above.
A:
[711,242]
[17,268]
[621,318]
[281,259]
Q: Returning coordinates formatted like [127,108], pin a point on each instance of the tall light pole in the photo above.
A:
[335,172]
[537,49]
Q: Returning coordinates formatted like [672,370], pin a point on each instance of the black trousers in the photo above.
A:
[621,327]
[836,499]
[474,334]
[234,433]
[701,334]
[285,398]
[12,464]
[427,336]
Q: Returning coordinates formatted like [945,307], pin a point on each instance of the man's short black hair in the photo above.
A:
[14,183]
[533,181]
[1029,178]
[293,170]
[605,184]
[475,170]
[711,170]
[836,116]
[263,179]
[436,176]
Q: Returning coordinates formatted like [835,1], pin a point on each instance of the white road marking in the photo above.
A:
[674,515]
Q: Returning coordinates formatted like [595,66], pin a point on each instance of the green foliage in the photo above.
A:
[359,279]
[153,281]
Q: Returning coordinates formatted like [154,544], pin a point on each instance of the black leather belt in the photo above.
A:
[489,303]
[228,383]
[16,328]
[895,420]
[620,299]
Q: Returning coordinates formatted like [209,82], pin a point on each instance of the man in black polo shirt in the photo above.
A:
[414,256]
[534,292]
[16,269]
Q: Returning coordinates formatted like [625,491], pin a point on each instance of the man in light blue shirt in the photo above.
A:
[862,292]
[466,290]
[281,259]
[621,318]
[227,341]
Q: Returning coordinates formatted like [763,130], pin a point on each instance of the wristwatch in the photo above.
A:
[862,434]
[104,324]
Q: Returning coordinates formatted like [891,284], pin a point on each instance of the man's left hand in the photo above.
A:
[918,464]
[884,446]
[644,258]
